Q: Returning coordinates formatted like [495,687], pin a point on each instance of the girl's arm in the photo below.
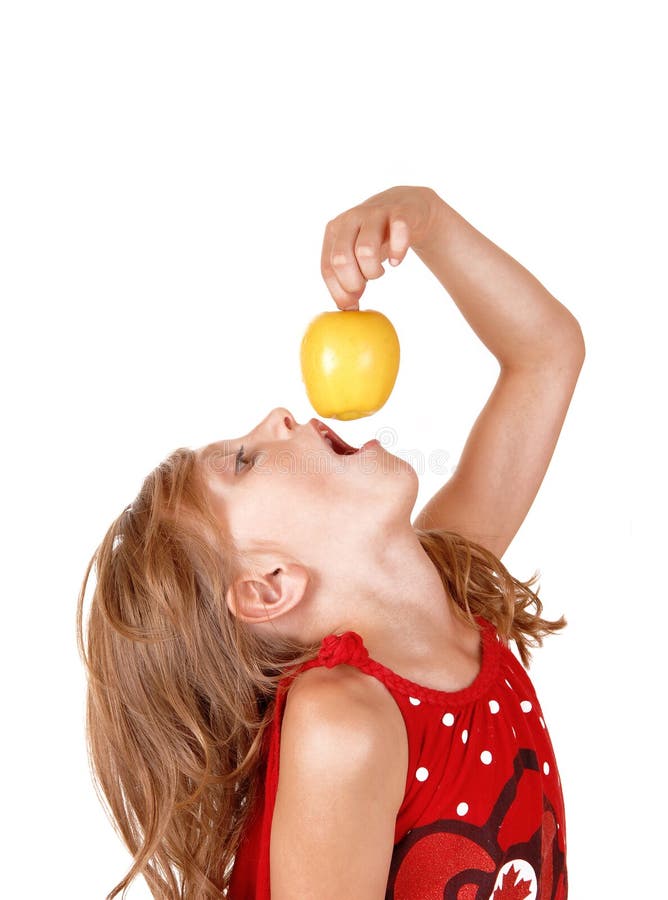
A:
[515,317]
[540,350]
[538,344]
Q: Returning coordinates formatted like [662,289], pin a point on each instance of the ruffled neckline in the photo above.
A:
[348,648]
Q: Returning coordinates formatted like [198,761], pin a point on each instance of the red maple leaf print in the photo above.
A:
[509,890]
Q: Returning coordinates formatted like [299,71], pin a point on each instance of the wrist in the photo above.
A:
[437,216]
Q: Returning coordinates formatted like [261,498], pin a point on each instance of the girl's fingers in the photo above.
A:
[399,241]
[355,245]
[343,298]
[343,259]
[368,247]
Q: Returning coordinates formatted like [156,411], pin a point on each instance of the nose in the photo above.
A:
[281,422]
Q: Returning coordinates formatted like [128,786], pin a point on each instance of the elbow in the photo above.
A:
[572,343]
[579,347]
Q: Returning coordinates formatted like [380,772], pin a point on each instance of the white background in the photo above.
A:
[167,173]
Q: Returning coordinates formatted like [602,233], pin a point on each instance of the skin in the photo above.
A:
[336,551]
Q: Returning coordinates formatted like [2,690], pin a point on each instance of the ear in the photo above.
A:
[261,598]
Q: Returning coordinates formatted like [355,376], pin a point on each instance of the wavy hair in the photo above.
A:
[180,692]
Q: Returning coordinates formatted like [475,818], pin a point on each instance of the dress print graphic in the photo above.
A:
[451,859]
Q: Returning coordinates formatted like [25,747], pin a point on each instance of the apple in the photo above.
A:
[349,362]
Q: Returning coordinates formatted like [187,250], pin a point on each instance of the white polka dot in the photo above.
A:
[414,701]
[508,683]
[541,721]
[422,774]
[486,757]
[465,736]
[546,768]
[513,731]
[494,707]
[526,705]
[448,719]
[462,809]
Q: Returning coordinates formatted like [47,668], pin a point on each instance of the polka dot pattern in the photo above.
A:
[462,808]
[448,719]
[422,774]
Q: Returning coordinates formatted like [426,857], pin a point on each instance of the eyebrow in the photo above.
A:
[212,452]
[214,448]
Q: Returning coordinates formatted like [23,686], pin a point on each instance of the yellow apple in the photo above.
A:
[349,362]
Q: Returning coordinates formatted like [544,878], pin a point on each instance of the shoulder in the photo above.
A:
[341,782]
[344,693]
[343,718]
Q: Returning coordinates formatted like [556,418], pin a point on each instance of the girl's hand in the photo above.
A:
[359,240]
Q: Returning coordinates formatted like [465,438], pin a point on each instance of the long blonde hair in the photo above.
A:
[180,692]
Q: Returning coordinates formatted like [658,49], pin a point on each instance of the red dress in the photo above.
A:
[482,816]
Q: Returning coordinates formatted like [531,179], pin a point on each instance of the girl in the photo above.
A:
[296,692]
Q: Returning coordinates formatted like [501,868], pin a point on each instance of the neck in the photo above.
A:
[394,598]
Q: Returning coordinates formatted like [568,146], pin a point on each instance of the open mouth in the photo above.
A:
[330,437]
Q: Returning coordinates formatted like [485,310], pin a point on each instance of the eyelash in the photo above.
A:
[240,459]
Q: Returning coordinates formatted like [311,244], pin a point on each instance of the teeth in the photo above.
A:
[323,432]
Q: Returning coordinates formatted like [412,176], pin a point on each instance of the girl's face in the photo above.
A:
[290,491]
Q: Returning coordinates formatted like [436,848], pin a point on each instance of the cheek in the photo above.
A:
[279,503]
[293,495]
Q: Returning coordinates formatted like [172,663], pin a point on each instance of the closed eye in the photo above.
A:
[240,459]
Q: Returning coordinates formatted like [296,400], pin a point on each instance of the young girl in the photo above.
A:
[296,692]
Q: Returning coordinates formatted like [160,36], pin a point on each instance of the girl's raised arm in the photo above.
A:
[537,342]
[540,350]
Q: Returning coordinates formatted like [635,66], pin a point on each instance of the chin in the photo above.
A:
[408,473]
[402,493]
